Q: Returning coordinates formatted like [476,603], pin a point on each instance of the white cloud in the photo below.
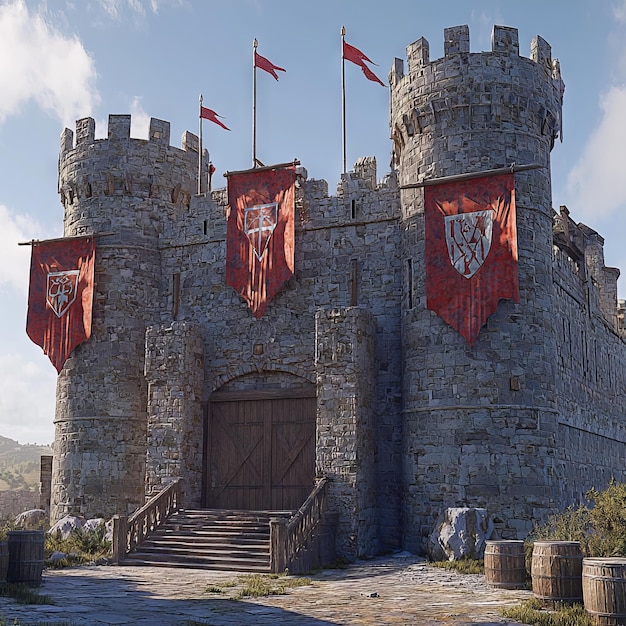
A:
[619,11]
[115,8]
[25,416]
[597,185]
[140,120]
[38,62]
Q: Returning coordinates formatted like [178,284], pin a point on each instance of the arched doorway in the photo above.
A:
[260,448]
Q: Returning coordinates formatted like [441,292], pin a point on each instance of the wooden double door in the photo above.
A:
[260,449]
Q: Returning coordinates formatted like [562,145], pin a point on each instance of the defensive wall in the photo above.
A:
[409,418]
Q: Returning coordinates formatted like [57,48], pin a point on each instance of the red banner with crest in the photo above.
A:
[260,233]
[471,250]
[60,296]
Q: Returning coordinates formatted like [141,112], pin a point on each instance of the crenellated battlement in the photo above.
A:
[456,40]
[119,130]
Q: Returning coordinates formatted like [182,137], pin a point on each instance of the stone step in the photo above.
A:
[210,539]
[211,536]
[214,563]
[194,551]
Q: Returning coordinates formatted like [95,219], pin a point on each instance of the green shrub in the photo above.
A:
[607,518]
[600,527]
[6,524]
[80,546]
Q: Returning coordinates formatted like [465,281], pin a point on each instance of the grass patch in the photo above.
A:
[23,594]
[531,611]
[263,585]
[462,566]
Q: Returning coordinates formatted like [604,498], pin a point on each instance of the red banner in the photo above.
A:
[60,296]
[260,233]
[471,250]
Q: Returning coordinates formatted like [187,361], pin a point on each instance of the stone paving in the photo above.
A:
[389,590]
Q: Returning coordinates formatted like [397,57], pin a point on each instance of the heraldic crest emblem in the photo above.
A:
[468,236]
[61,290]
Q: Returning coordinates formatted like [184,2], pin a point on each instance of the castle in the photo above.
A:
[347,373]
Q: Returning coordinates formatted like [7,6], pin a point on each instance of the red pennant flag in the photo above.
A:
[471,250]
[211,115]
[260,234]
[350,53]
[60,296]
[267,65]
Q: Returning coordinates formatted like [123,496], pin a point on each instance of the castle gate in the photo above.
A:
[260,449]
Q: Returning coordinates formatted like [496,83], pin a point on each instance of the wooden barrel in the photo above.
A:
[556,570]
[25,556]
[604,590]
[505,564]
[4,560]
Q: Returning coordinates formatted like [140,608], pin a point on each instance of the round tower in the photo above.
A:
[479,419]
[125,191]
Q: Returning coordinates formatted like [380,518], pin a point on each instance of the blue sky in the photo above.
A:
[62,60]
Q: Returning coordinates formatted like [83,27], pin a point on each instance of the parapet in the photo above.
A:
[456,41]
[119,130]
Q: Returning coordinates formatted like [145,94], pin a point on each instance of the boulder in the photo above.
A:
[459,533]
[66,525]
[92,525]
[31,520]
[109,530]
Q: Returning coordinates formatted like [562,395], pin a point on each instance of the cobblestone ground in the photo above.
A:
[390,590]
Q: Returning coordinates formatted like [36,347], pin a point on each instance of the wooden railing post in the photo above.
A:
[120,531]
[129,532]
[278,545]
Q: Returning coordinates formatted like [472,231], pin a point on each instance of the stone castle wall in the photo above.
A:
[591,380]
[410,419]
[14,502]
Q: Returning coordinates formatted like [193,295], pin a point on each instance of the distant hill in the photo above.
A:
[20,464]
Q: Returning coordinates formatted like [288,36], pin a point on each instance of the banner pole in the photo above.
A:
[254,47]
[343,97]
[200,148]
[36,242]
[511,169]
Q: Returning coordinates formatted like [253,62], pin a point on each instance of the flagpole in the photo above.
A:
[200,148]
[343,97]
[254,47]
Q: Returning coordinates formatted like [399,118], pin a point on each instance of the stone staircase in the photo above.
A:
[210,539]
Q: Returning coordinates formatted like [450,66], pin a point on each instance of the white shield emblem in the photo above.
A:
[259,224]
[61,290]
[468,236]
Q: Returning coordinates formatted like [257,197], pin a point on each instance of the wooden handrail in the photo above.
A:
[129,532]
[288,538]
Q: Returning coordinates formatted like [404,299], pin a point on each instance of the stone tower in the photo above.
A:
[474,416]
[125,190]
